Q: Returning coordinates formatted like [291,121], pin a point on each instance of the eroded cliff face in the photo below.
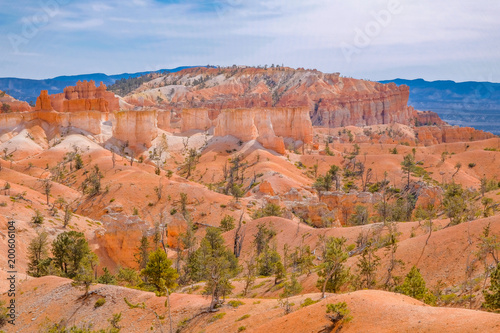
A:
[428,118]
[13,105]
[43,102]
[85,96]
[135,127]
[292,123]
[196,119]
[89,121]
[431,135]
[269,126]
[330,99]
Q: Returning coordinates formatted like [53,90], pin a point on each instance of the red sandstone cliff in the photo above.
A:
[85,96]
[135,127]
[330,99]
[428,118]
[13,105]
[431,135]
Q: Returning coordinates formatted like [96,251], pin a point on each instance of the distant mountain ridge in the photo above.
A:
[28,90]
[471,103]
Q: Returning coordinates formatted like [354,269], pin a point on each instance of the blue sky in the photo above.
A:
[376,39]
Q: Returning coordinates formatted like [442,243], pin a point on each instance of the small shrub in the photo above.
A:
[235,303]
[339,312]
[217,317]
[100,302]
[227,223]
[183,323]
[471,165]
[37,218]
[243,317]
[242,328]
[308,301]
[270,209]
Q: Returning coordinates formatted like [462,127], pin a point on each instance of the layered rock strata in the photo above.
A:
[135,127]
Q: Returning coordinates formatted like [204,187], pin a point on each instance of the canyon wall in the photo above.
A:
[428,118]
[196,119]
[269,126]
[331,100]
[361,103]
[43,102]
[85,96]
[13,105]
[163,120]
[292,123]
[431,135]
[249,124]
[89,121]
[135,127]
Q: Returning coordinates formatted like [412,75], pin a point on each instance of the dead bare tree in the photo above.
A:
[239,236]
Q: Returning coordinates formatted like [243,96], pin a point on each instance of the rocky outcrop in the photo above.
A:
[331,100]
[361,103]
[10,104]
[428,118]
[431,135]
[138,128]
[292,123]
[249,124]
[89,121]
[85,96]
[196,119]
[43,102]
[343,204]
[269,126]
[163,120]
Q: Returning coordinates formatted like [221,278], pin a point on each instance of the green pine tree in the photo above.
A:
[159,268]
[414,286]
[492,297]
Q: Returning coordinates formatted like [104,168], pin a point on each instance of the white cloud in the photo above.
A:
[135,35]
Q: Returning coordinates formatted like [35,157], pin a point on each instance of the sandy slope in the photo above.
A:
[51,300]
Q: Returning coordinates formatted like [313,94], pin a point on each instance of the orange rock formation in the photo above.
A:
[135,127]
[43,102]
[14,104]
[431,135]
[82,97]
[332,100]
